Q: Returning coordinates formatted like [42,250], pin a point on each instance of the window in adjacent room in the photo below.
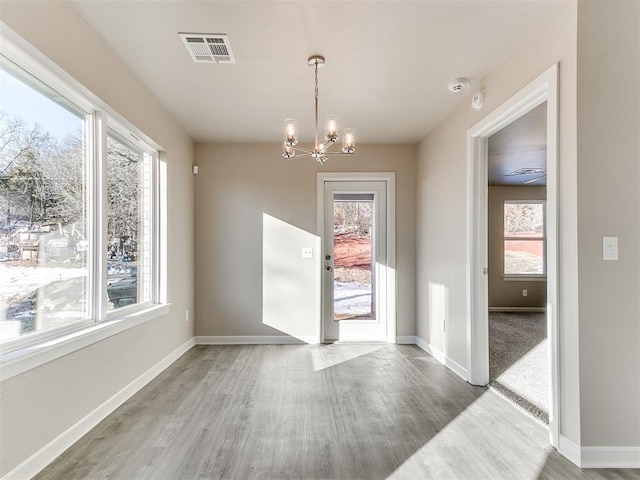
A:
[524,238]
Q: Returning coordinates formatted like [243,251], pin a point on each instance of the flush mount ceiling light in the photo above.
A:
[320,150]
[541,172]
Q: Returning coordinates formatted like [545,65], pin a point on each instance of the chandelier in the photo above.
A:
[320,150]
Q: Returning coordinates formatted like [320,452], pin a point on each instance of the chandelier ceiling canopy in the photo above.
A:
[320,151]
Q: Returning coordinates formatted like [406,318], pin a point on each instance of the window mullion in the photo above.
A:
[98,182]
[155,224]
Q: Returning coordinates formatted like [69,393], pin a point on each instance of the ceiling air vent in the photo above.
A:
[208,47]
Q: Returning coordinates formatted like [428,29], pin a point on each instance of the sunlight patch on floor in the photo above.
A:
[461,449]
[530,383]
[327,356]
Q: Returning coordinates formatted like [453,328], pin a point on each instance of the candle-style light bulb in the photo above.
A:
[348,141]
[290,133]
[331,129]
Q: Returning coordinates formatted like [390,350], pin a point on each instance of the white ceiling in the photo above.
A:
[521,144]
[388,62]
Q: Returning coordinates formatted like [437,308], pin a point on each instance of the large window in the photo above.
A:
[524,238]
[77,211]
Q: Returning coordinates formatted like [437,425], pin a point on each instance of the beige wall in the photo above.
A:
[609,205]
[442,202]
[597,45]
[40,404]
[509,293]
[236,185]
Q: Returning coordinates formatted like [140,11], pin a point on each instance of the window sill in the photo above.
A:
[21,360]
[524,278]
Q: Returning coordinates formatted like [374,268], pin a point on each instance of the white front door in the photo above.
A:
[355,261]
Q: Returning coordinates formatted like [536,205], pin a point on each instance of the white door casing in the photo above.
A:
[543,88]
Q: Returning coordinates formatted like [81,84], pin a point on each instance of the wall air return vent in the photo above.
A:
[208,47]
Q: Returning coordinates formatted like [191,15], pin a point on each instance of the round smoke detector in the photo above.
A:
[458,85]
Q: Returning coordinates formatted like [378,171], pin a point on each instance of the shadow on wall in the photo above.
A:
[291,276]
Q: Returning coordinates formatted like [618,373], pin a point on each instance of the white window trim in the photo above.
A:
[527,277]
[524,277]
[22,354]
[31,356]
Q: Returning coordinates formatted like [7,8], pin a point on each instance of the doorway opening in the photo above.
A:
[357,226]
[516,215]
[542,89]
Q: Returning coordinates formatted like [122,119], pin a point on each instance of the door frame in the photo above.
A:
[390,179]
[543,88]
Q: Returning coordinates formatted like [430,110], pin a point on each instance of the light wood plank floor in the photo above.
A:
[315,412]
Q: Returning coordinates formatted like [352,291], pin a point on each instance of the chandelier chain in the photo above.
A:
[316,79]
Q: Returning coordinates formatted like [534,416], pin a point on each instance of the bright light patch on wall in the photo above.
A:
[438,305]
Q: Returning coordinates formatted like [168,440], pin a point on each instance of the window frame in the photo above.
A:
[533,277]
[28,351]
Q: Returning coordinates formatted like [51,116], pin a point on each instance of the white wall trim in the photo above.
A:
[43,457]
[442,358]
[254,340]
[406,340]
[610,457]
[517,309]
[570,450]
[599,457]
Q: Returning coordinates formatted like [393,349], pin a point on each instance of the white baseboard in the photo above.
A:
[406,340]
[52,450]
[254,340]
[570,450]
[599,457]
[610,457]
[442,358]
[517,309]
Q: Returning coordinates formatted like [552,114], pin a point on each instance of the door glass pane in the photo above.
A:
[353,285]
[43,207]
[128,223]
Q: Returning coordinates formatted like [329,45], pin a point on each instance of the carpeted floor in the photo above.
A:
[518,360]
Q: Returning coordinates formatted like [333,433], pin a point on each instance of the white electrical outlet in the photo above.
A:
[307,253]
[524,292]
[186,315]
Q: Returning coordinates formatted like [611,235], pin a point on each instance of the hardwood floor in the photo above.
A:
[315,412]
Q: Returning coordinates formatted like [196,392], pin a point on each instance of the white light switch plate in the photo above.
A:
[610,248]
[307,253]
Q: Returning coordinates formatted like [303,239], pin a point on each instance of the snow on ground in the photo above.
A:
[18,279]
[351,299]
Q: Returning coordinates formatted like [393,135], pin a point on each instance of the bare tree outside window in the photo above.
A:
[128,223]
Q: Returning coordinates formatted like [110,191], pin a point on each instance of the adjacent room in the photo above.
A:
[518,343]
[311,239]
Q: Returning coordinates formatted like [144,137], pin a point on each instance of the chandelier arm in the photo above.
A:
[337,153]
[296,156]
[305,150]
[326,145]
